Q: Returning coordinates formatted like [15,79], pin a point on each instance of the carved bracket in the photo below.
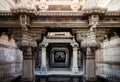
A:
[93,21]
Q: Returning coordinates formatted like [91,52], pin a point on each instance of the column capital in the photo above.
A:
[90,40]
[74,44]
[44,42]
[43,45]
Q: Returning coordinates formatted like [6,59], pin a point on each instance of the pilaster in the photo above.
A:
[26,42]
[43,59]
[90,65]
[75,57]
[43,45]
[28,65]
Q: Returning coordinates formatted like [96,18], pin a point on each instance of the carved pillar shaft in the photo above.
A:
[75,60]
[84,64]
[43,60]
[28,65]
[90,65]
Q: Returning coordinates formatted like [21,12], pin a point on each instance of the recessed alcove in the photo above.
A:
[59,55]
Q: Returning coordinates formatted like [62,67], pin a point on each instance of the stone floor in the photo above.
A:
[58,72]
[61,76]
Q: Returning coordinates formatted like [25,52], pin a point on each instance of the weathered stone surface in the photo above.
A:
[10,58]
[109,58]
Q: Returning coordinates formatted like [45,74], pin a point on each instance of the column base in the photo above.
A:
[43,69]
[90,79]
[75,70]
[26,79]
[43,79]
[75,79]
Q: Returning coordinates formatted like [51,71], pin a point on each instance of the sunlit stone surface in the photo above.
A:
[10,58]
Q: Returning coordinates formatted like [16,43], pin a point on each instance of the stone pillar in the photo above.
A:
[79,58]
[43,60]
[90,65]
[28,72]
[75,79]
[91,45]
[84,64]
[75,60]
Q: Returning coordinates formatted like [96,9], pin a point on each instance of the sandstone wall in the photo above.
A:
[10,58]
[108,59]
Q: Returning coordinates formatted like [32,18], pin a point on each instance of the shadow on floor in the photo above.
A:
[99,79]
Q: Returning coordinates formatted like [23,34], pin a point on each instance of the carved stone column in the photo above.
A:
[79,59]
[90,74]
[75,61]
[75,57]
[28,65]
[90,45]
[43,59]
[84,64]
[26,42]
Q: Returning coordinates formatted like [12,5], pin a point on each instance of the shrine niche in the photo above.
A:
[59,57]
[58,50]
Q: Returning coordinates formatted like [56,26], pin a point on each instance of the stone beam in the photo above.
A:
[59,24]
[11,24]
[14,24]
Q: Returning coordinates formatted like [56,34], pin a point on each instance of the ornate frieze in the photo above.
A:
[85,12]
[100,11]
[59,24]
[58,13]
[6,14]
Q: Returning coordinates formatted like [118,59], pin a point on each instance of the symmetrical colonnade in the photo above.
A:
[85,34]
